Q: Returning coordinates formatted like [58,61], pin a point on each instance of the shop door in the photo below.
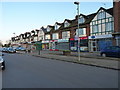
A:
[93,45]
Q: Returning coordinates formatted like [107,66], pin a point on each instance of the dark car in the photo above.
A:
[2,62]
[111,51]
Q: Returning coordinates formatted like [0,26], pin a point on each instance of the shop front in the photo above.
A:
[63,44]
[83,44]
[45,45]
[99,42]
[53,45]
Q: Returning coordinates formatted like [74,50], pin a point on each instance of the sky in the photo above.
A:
[21,17]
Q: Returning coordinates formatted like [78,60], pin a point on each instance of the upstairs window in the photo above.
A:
[81,20]
[56,26]
[47,36]
[95,29]
[66,24]
[55,35]
[101,15]
[82,31]
[66,35]
[109,26]
[48,29]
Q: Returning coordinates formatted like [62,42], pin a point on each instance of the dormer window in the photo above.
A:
[48,29]
[32,34]
[56,26]
[81,20]
[66,24]
[101,15]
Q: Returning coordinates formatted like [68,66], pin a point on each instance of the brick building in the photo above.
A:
[116,14]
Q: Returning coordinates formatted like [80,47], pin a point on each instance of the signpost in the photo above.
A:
[39,46]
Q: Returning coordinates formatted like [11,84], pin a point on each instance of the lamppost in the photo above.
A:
[77,3]
[14,42]
[14,34]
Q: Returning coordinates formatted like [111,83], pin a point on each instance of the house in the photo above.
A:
[32,36]
[47,37]
[82,33]
[64,35]
[55,36]
[41,34]
[101,29]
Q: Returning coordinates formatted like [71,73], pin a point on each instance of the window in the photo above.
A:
[109,26]
[47,36]
[82,31]
[81,20]
[55,35]
[48,29]
[66,24]
[95,29]
[66,35]
[101,15]
[56,27]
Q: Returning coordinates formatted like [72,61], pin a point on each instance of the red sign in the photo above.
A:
[71,38]
[83,37]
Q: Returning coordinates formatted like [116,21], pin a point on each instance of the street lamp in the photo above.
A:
[77,3]
[14,34]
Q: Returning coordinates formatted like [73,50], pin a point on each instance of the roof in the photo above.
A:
[110,10]
[58,23]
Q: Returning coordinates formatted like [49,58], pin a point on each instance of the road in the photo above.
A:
[25,71]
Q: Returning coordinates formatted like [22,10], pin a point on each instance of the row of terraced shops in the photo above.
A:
[88,43]
[96,31]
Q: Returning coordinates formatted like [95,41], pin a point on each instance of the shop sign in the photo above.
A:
[81,38]
[63,40]
[73,48]
[100,36]
[53,40]
[45,41]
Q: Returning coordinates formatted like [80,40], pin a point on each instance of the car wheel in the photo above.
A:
[103,55]
[3,68]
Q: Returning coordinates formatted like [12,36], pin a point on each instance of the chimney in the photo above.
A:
[116,14]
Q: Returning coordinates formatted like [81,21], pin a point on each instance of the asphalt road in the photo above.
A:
[25,71]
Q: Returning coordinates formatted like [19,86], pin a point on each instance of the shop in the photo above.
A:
[62,44]
[53,45]
[45,45]
[83,44]
[99,42]
[116,38]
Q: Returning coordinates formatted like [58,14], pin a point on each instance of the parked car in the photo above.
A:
[20,49]
[2,62]
[11,50]
[5,49]
[111,51]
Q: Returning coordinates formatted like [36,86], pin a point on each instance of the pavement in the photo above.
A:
[86,58]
